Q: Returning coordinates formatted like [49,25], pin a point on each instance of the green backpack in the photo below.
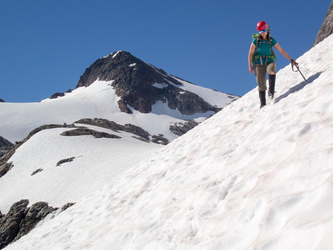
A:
[255,56]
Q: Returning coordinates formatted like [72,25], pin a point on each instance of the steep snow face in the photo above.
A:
[247,178]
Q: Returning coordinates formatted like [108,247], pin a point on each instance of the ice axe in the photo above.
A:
[298,70]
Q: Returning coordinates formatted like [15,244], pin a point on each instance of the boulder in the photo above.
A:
[20,220]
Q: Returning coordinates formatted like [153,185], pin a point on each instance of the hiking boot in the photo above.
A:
[262,97]
[271,88]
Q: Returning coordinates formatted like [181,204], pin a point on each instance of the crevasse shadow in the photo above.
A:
[298,87]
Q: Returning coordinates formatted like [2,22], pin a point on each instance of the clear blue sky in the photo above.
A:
[46,45]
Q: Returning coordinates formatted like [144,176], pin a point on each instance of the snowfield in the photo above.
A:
[96,162]
[247,178]
[99,100]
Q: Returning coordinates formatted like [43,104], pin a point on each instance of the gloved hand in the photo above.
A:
[292,61]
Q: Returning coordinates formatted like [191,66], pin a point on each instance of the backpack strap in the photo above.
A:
[271,56]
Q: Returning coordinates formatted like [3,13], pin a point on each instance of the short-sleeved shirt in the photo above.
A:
[264,49]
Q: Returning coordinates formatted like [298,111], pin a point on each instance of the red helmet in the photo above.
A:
[262,26]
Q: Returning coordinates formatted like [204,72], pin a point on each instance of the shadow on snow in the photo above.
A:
[298,87]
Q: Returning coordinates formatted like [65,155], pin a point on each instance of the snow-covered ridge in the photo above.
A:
[98,100]
[247,178]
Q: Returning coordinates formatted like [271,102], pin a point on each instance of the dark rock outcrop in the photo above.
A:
[36,213]
[37,171]
[160,139]
[68,205]
[86,131]
[59,163]
[10,223]
[103,123]
[56,95]
[327,26]
[1,100]
[20,220]
[140,85]
[4,168]
[5,146]
[181,129]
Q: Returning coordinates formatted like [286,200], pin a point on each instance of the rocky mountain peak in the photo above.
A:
[120,64]
[140,85]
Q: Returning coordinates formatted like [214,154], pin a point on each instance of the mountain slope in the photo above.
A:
[123,89]
[94,107]
[89,163]
[140,85]
[244,179]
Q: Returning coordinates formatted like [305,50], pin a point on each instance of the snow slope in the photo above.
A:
[96,163]
[244,179]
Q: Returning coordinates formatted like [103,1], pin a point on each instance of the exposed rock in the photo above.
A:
[37,171]
[20,220]
[115,126]
[103,123]
[140,85]
[5,146]
[36,213]
[327,26]
[181,129]
[136,130]
[1,100]
[114,66]
[65,161]
[86,131]
[160,139]
[56,95]
[4,168]
[123,107]
[65,207]
[10,223]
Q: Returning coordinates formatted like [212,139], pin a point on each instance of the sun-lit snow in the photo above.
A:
[160,85]
[247,178]
[97,162]
[96,101]
[116,54]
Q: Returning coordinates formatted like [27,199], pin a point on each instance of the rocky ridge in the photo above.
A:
[21,219]
[137,132]
[140,85]
[5,145]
